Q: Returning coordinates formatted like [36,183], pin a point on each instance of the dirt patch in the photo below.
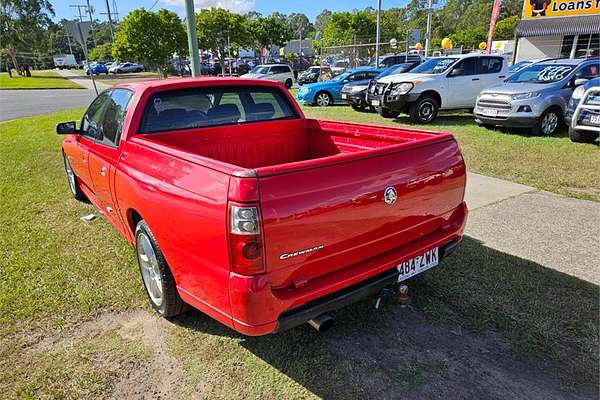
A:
[161,375]
[419,358]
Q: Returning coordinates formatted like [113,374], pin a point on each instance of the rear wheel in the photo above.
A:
[323,99]
[582,136]
[549,123]
[156,274]
[288,83]
[73,181]
[424,110]
[387,113]
[357,107]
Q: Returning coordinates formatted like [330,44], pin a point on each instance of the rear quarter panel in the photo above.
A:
[184,205]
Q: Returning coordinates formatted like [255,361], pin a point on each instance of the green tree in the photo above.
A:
[102,52]
[215,25]
[269,31]
[23,24]
[299,22]
[322,20]
[505,28]
[150,37]
[469,38]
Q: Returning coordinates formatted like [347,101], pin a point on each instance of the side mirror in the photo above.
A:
[457,72]
[66,128]
[579,81]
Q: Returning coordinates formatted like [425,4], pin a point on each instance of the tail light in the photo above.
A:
[245,240]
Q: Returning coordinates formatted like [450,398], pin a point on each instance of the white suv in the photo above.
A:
[442,83]
[273,72]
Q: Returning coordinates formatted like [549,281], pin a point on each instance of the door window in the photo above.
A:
[114,114]
[91,121]
[590,71]
[468,66]
[490,65]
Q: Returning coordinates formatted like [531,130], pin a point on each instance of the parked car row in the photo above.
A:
[97,68]
[533,95]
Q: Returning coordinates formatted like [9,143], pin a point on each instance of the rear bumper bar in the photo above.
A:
[347,296]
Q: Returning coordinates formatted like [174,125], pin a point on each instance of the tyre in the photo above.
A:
[582,136]
[288,83]
[73,181]
[156,274]
[387,113]
[549,123]
[138,70]
[356,107]
[323,99]
[424,110]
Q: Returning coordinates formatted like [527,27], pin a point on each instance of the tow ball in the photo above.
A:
[400,292]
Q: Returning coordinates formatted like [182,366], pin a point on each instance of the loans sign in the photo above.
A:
[559,8]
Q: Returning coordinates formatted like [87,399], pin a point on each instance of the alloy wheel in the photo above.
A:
[323,99]
[549,123]
[150,269]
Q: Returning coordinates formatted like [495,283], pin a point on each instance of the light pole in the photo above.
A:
[378,34]
[190,19]
[428,33]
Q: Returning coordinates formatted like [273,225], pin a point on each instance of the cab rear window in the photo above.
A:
[202,107]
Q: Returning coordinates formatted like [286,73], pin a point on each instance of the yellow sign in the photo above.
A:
[559,8]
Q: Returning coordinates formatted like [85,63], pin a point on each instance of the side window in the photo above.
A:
[114,114]
[490,65]
[357,77]
[280,69]
[91,121]
[371,75]
[468,66]
[590,71]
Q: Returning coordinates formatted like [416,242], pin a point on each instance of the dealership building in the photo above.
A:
[558,28]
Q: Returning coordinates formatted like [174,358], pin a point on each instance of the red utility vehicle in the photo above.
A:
[263,219]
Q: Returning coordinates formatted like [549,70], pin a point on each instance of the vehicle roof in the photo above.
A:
[273,65]
[564,61]
[183,83]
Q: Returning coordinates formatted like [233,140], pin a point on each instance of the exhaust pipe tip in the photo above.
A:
[322,323]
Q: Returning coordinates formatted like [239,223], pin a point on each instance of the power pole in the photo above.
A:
[428,33]
[89,10]
[110,21]
[79,7]
[378,34]
[190,19]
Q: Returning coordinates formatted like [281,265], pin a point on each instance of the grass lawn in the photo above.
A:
[74,320]
[549,163]
[38,80]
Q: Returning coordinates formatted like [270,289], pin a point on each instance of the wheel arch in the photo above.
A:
[133,218]
[434,94]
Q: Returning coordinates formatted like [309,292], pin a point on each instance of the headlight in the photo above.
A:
[357,88]
[523,96]
[303,90]
[399,89]
[578,92]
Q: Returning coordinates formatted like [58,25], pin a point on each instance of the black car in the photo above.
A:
[312,74]
[354,93]
[394,59]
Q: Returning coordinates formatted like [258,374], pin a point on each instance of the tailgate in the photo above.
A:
[322,219]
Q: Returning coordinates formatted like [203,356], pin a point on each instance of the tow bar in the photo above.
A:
[402,295]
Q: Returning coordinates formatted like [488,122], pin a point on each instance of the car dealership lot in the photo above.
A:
[500,318]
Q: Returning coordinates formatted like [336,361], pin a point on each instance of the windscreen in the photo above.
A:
[435,65]
[395,69]
[541,73]
[202,107]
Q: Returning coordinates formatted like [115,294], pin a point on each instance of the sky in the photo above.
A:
[311,8]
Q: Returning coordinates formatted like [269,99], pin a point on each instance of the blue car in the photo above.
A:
[96,69]
[329,92]
[589,119]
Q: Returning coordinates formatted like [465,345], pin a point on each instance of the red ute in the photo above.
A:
[263,219]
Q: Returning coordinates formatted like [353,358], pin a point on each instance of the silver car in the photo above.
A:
[535,97]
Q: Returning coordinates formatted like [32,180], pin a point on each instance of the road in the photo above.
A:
[22,103]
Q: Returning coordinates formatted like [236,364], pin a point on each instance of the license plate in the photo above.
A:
[375,103]
[416,265]
[344,96]
[595,119]
[489,112]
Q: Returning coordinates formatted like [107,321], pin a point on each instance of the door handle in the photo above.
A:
[103,171]
[475,79]
[502,76]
